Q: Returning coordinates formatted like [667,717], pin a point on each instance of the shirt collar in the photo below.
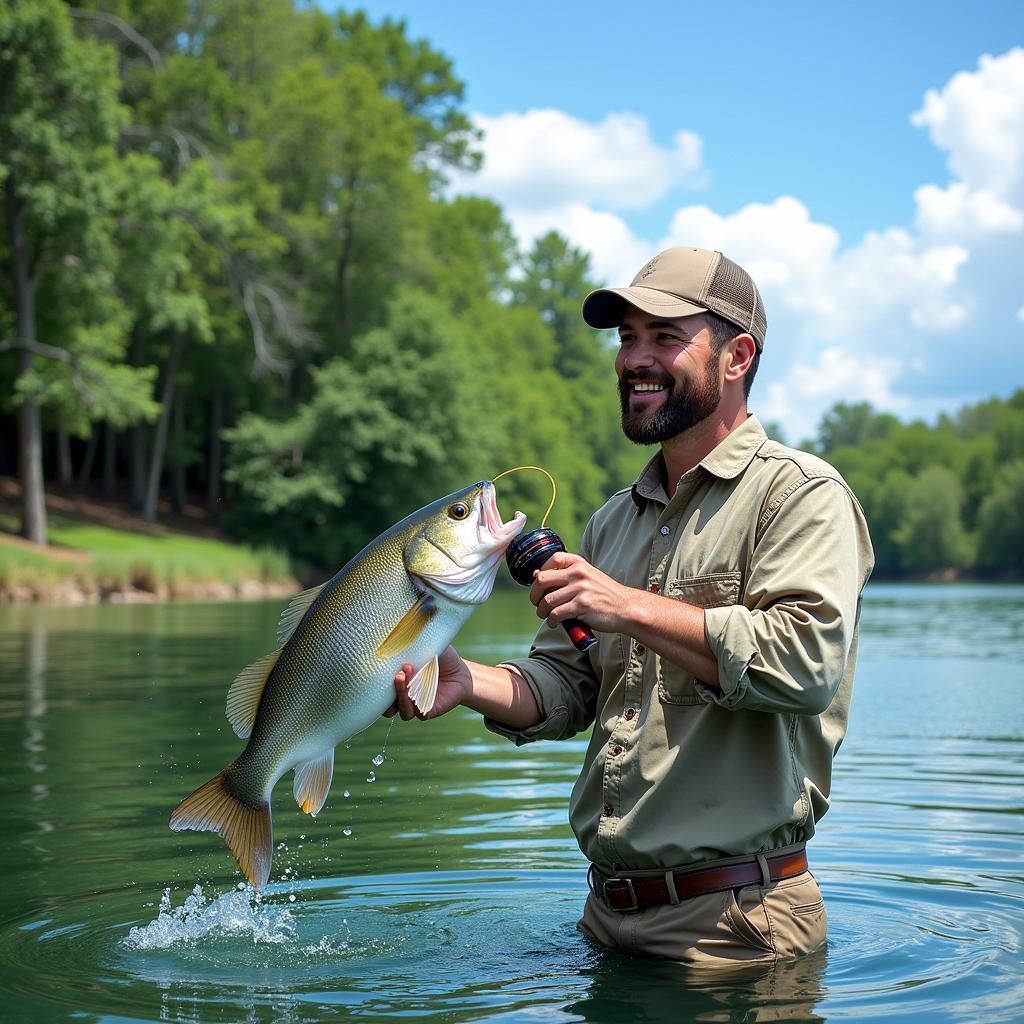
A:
[727,460]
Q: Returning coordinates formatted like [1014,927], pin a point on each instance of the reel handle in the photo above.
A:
[525,555]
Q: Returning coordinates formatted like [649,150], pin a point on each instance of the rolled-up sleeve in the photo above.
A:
[564,683]
[786,647]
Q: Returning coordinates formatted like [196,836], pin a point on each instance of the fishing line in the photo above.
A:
[554,486]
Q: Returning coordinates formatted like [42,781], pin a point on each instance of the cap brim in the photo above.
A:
[605,307]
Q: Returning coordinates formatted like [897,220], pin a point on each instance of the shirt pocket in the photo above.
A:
[715,590]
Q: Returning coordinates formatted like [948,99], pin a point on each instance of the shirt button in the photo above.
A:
[654,588]
[630,713]
[639,650]
[666,530]
[608,810]
[615,751]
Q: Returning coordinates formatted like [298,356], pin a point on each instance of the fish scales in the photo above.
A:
[401,600]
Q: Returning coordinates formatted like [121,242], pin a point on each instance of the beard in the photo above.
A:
[684,406]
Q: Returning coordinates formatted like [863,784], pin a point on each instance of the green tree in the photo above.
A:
[930,533]
[555,281]
[1001,522]
[853,425]
[386,430]
[59,119]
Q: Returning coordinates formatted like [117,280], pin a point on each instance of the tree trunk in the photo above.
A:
[156,461]
[30,435]
[213,509]
[109,460]
[138,448]
[65,476]
[89,459]
[178,495]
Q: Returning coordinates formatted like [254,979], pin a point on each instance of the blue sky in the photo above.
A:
[862,160]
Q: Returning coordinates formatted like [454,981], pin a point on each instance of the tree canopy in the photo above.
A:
[234,273]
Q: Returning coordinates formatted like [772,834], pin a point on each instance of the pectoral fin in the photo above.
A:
[423,686]
[313,780]
[409,627]
[244,695]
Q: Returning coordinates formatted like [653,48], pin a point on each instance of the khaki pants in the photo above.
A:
[783,919]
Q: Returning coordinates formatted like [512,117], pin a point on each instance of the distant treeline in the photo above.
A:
[233,272]
[947,499]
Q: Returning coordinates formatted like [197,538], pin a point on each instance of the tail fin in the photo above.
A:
[246,829]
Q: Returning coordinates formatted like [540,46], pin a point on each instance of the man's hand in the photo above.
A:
[569,587]
[454,685]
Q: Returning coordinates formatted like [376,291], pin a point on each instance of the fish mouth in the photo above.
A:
[500,533]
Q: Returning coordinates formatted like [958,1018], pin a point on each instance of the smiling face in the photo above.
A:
[668,375]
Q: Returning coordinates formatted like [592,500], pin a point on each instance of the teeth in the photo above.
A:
[648,387]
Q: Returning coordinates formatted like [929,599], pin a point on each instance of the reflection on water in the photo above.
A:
[442,881]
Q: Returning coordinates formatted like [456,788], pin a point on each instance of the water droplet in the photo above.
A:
[378,760]
[291,898]
[302,837]
[346,793]
[346,831]
[372,777]
[240,887]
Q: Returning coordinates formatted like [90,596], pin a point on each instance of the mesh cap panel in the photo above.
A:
[732,294]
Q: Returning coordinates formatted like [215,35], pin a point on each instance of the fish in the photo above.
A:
[402,599]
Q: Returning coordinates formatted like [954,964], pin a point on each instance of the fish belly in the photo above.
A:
[346,689]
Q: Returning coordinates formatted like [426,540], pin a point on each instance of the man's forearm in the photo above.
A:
[673,629]
[501,694]
[570,587]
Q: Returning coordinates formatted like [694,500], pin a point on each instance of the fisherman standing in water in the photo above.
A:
[724,587]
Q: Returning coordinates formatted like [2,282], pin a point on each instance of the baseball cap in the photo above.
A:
[682,281]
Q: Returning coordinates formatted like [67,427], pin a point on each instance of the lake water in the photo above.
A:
[447,888]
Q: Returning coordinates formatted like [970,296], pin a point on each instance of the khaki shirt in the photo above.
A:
[773,544]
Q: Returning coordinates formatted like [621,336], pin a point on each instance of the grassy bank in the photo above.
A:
[89,561]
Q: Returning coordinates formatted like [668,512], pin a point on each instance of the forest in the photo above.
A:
[234,274]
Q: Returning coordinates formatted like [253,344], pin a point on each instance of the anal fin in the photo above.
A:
[313,780]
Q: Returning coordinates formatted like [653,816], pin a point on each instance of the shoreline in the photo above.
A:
[71,591]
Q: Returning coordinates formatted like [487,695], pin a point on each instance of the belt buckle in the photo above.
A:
[628,882]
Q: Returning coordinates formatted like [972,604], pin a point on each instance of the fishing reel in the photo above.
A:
[525,555]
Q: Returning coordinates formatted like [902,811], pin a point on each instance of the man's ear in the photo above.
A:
[742,350]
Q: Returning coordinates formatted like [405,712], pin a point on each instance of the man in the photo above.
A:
[724,587]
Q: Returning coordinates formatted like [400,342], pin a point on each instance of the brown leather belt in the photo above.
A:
[620,893]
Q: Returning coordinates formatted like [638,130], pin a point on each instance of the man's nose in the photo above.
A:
[637,356]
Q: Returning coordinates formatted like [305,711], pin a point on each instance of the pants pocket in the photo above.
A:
[746,916]
[796,915]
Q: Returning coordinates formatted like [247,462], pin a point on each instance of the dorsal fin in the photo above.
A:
[292,615]
[246,690]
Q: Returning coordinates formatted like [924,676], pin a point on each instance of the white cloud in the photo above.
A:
[978,117]
[960,211]
[836,375]
[544,159]
[908,317]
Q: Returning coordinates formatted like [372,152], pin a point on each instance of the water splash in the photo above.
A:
[240,913]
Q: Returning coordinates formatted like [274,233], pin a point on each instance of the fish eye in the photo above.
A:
[459,510]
